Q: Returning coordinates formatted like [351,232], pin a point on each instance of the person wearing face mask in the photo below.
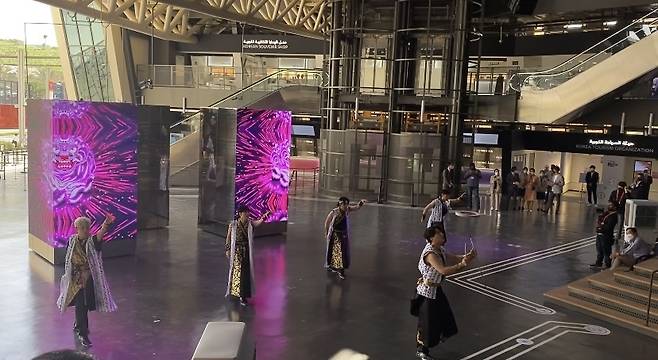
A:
[448,178]
[239,250]
[83,284]
[640,188]
[605,228]
[436,321]
[495,189]
[336,232]
[531,183]
[513,183]
[619,197]
[523,179]
[634,250]
[557,182]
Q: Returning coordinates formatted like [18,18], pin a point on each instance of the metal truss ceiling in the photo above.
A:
[181,20]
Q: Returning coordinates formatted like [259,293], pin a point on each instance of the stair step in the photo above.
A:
[605,282]
[634,280]
[645,268]
[581,289]
[561,297]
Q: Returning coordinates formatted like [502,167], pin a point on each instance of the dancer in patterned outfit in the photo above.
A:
[436,322]
[83,283]
[336,230]
[239,245]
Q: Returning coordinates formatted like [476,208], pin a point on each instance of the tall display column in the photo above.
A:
[459,57]
[245,161]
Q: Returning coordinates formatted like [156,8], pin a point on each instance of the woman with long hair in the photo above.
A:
[436,322]
[336,231]
[239,251]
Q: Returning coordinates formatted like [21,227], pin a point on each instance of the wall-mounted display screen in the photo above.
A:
[641,165]
[90,167]
[262,170]
[303,130]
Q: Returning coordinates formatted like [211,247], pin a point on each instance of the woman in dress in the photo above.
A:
[83,283]
[496,189]
[239,245]
[531,184]
[336,230]
[436,322]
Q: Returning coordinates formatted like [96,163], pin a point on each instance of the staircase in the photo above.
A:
[619,297]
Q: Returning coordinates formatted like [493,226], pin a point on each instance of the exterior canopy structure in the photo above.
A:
[182,20]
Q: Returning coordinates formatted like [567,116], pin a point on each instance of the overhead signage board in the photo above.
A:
[621,145]
[255,44]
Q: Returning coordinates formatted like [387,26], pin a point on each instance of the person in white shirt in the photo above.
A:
[556,191]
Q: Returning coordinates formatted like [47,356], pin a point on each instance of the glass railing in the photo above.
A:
[252,92]
[595,54]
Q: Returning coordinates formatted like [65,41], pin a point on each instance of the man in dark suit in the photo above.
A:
[592,180]
[618,198]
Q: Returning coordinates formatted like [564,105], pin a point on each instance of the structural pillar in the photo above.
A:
[334,64]
[22,84]
[458,84]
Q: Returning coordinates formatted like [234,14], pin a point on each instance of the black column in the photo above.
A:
[459,57]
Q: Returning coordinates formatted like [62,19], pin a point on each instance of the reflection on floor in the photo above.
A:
[176,282]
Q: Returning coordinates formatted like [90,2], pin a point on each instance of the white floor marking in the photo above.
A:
[534,338]
[467,279]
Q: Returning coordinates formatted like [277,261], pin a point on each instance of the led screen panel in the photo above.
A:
[90,168]
[262,170]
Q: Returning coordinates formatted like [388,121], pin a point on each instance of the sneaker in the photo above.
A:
[595,265]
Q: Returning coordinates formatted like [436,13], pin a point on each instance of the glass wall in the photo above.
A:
[86,41]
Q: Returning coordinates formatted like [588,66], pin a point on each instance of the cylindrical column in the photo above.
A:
[458,90]
[334,64]
[22,84]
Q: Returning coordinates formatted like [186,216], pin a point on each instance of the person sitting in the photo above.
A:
[634,251]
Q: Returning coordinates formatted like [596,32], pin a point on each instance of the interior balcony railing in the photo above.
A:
[595,54]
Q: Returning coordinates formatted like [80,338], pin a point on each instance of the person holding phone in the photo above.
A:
[336,231]
[83,284]
[239,251]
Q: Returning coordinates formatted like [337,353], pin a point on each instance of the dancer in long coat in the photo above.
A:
[336,227]
[83,284]
[239,251]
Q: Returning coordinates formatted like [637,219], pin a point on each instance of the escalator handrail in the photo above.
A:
[248,87]
[634,22]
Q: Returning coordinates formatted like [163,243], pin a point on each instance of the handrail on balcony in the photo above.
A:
[653,274]
[552,71]
[249,87]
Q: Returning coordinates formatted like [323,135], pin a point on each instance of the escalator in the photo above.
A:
[294,90]
[557,94]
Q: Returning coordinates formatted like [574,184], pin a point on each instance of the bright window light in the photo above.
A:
[573,26]
[610,23]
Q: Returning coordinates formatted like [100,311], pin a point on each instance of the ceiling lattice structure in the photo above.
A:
[182,20]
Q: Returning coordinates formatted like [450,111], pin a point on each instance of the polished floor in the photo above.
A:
[177,280]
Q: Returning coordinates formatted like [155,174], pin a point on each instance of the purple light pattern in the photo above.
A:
[91,168]
[262,173]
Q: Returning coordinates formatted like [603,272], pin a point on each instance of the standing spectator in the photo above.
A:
[531,183]
[500,84]
[605,228]
[648,179]
[496,186]
[548,180]
[513,182]
[541,189]
[523,177]
[556,191]
[618,198]
[472,177]
[14,141]
[634,251]
[592,180]
[448,178]
[640,188]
